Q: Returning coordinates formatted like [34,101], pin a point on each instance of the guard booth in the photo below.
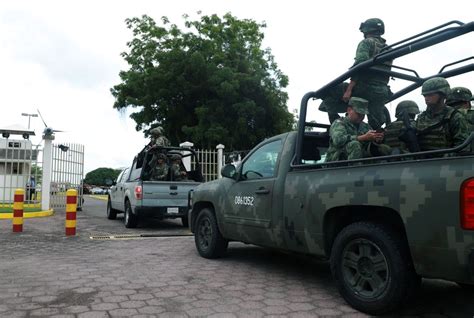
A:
[18,165]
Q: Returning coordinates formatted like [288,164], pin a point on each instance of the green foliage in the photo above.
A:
[208,83]
[100,176]
[37,172]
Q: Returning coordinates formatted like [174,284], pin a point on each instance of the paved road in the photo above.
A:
[43,273]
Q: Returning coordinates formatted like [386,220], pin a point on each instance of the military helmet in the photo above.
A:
[459,94]
[175,157]
[161,156]
[360,105]
[408,106]
[157,131]
[435,85]
[373,26]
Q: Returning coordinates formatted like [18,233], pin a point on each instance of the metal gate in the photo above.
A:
[208,160]
[67,172]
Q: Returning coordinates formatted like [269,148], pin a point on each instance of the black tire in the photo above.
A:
[208,239]
[130,220]
[185,221]
[372,268]
[111,213]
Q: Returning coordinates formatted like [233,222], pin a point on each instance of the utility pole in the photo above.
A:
[29,117]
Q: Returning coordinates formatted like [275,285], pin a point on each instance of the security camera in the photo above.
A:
[63,148]
[5,135]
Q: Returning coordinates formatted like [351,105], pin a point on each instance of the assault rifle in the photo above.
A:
[409,134]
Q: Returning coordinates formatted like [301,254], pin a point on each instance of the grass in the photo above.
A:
[25,209]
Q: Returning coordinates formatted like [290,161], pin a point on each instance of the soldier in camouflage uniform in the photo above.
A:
[394,130]
[157,138]
[350,136]
[460,98]
[160,171]
[370,86]
[177,171]
[439,126]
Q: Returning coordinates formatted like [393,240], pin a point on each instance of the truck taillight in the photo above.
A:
[467,204]
[138,192]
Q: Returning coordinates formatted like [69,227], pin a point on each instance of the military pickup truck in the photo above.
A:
[135,194]
[383,222]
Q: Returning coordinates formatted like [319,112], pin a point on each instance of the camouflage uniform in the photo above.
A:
[372,87]
[176,169]
[157,137]
[160,171]
[343,143]
[446,128]
[394,130]
[459,98]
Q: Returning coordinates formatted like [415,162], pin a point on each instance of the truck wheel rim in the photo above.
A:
[205,233]
[365,269]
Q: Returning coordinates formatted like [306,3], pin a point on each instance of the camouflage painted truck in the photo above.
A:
[383,223]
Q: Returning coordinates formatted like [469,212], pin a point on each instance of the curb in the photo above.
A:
[99,197]
[28,215]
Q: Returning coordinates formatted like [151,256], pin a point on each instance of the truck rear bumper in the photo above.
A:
[161,212]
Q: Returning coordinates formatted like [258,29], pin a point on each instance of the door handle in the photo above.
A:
[262,191]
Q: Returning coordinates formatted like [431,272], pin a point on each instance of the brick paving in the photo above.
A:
[45,274]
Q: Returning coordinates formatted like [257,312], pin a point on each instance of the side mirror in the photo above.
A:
[228,171]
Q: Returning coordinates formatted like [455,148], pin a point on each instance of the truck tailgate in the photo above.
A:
[166,194]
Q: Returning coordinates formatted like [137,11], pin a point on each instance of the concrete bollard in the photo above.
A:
[71,208]
[18,201]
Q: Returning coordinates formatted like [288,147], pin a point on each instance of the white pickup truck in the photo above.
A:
[134,194]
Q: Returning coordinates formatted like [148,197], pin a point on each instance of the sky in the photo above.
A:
[62,57]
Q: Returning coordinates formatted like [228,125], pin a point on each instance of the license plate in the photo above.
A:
[172,210]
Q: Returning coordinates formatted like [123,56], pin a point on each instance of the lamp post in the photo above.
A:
[29,117]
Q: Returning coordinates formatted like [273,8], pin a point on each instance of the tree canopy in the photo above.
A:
[101,176]
[209,82]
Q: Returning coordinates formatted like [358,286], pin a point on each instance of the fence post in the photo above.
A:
[187,160]
[18,210]
[220,157]
[71,208]
[47,169]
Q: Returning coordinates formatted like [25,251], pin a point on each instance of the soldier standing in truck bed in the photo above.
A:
[371,86]
[157,138]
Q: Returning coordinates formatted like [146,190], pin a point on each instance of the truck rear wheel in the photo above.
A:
[207,237]
[111,213]
[130,219]
[370,266]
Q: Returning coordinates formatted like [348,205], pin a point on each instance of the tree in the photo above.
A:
[210,83]
[37,172]
[101,176]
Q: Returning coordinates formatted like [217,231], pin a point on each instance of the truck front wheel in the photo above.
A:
[370,266]
[207,237]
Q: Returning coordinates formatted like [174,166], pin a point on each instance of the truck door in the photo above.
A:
[249,200]
[117,191]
